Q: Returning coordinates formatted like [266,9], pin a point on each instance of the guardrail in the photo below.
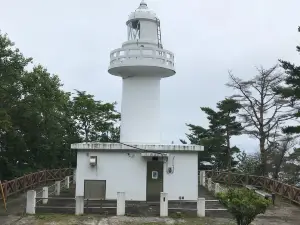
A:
[32,180]
[287,191]
[122,55]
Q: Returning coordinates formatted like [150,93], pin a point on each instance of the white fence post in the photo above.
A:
[121,204]
[74,176]
[57,188]
[164,206]
[201,207]
[202,178]
[217,188]
[67,182]
[79,205]
[45,195]
[31,202]
[209,187]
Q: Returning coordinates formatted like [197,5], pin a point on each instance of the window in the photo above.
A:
[154,175]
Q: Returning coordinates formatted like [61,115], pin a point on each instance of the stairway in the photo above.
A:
[213,207]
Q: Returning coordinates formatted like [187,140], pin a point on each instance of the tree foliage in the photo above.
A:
[243,204]
[291,90]
[216,138]
[280,153]
[262,111]
[248,163]
[39,121]
[290,170]
[95,120]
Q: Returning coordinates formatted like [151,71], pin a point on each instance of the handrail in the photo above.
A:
[121,55]
[139,48]
[285,190]
[35,179]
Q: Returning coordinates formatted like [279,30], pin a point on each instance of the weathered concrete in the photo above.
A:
[201,207]
[45,195]
[164,206]
[121,204]
[57,188]
[30,202]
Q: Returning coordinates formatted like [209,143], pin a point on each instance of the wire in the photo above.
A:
[144,150]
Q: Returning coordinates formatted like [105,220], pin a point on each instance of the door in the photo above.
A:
[94,189]
[154,180]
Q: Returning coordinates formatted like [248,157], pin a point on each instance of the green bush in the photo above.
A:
[243,204]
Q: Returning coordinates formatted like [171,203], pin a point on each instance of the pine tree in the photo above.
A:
[216,138]
[291,91]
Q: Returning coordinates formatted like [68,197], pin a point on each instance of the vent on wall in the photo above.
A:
[93,161]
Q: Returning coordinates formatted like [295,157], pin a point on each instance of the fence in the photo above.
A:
[33,180]
[289,192]
[34,202]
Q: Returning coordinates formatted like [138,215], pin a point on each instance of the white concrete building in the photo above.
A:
[139,165]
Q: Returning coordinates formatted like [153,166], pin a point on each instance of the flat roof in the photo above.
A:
[100,146]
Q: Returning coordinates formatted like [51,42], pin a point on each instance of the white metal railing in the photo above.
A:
[160,56]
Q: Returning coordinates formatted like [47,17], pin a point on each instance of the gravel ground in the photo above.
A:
[94,220]
[283,213]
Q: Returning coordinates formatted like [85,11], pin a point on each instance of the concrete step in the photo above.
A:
[65,203]
[212,205]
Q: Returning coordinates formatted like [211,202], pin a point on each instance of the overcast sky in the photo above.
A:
[73,38]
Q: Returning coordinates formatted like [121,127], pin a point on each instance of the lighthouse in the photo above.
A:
[139,166]
[141,62]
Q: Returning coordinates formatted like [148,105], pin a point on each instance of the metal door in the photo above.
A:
[154,180]
[94,189]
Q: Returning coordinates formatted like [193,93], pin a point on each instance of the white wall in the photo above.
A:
[123,173]
[184,180]
[140,110]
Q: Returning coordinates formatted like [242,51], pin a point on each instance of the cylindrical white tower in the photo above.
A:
[141,62]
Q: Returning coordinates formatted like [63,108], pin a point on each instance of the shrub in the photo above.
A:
[243,204]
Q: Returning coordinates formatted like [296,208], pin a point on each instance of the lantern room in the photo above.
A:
[144,26]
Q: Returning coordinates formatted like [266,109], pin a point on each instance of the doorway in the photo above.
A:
[154,180]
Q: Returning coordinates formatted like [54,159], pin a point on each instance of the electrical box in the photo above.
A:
[170,170]
[93,161]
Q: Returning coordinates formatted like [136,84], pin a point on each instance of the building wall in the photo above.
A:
[128,174]
[184,180]
[122,174]
[140,110]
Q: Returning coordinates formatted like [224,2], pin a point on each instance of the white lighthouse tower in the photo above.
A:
[141,62]
[139,166]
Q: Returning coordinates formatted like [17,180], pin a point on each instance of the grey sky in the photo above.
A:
[73,38]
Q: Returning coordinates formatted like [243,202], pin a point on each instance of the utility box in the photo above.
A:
[93,161]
